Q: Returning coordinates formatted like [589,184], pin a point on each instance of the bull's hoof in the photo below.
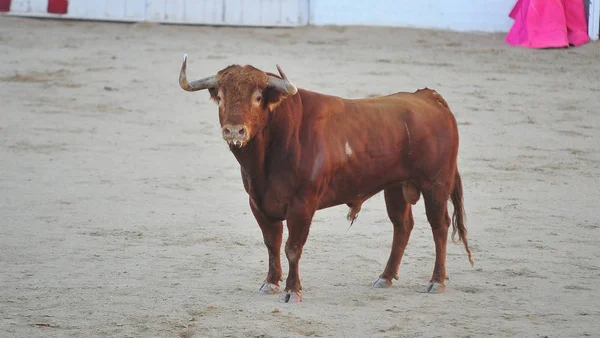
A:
[382,283]
[269,289]
[436,288]
[291,297]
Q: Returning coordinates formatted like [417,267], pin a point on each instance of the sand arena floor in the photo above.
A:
[122,212]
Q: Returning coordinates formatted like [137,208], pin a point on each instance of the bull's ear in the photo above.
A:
[273,97]
[213,94]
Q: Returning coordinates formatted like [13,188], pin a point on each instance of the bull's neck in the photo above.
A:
[252,158]
[270,148]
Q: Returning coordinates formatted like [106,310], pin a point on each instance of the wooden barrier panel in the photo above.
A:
[594,19]
[211,12]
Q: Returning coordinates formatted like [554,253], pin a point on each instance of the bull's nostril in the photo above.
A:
[236,131]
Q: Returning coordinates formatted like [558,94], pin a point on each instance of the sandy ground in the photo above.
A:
[123,212]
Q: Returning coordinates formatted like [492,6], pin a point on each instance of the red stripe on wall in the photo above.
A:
[58,6]
[4,5]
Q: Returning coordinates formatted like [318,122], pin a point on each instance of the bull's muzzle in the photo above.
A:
[236,135]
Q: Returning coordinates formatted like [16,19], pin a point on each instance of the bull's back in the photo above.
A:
[424,101]
[419,115]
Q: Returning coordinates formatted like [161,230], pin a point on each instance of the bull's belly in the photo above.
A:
[344,191]
[356,181]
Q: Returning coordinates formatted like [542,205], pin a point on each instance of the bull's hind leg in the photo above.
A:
[272,234]
[436,209]
[400,213]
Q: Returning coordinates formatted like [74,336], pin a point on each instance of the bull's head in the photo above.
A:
[245,96]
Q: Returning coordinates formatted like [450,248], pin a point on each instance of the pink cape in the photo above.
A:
[548,23]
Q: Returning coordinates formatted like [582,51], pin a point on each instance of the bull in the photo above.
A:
[301,151]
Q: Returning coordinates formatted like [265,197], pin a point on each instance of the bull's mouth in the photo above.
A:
[236,144]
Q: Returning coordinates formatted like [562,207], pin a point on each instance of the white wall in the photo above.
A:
[460,15]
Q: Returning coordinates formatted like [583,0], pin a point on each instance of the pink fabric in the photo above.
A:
[548,23]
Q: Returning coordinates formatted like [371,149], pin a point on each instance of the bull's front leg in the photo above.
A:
[272,233]
[298,219]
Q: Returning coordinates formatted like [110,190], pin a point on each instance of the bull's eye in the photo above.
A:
[258,98]
[218,97]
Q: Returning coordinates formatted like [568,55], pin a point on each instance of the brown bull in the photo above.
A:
[302,151]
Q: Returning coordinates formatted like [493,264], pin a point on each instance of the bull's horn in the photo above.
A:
[208,82]
[283,84]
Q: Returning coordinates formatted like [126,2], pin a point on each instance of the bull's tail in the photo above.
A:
[458,216]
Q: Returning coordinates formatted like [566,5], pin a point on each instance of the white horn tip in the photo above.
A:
[185,57]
